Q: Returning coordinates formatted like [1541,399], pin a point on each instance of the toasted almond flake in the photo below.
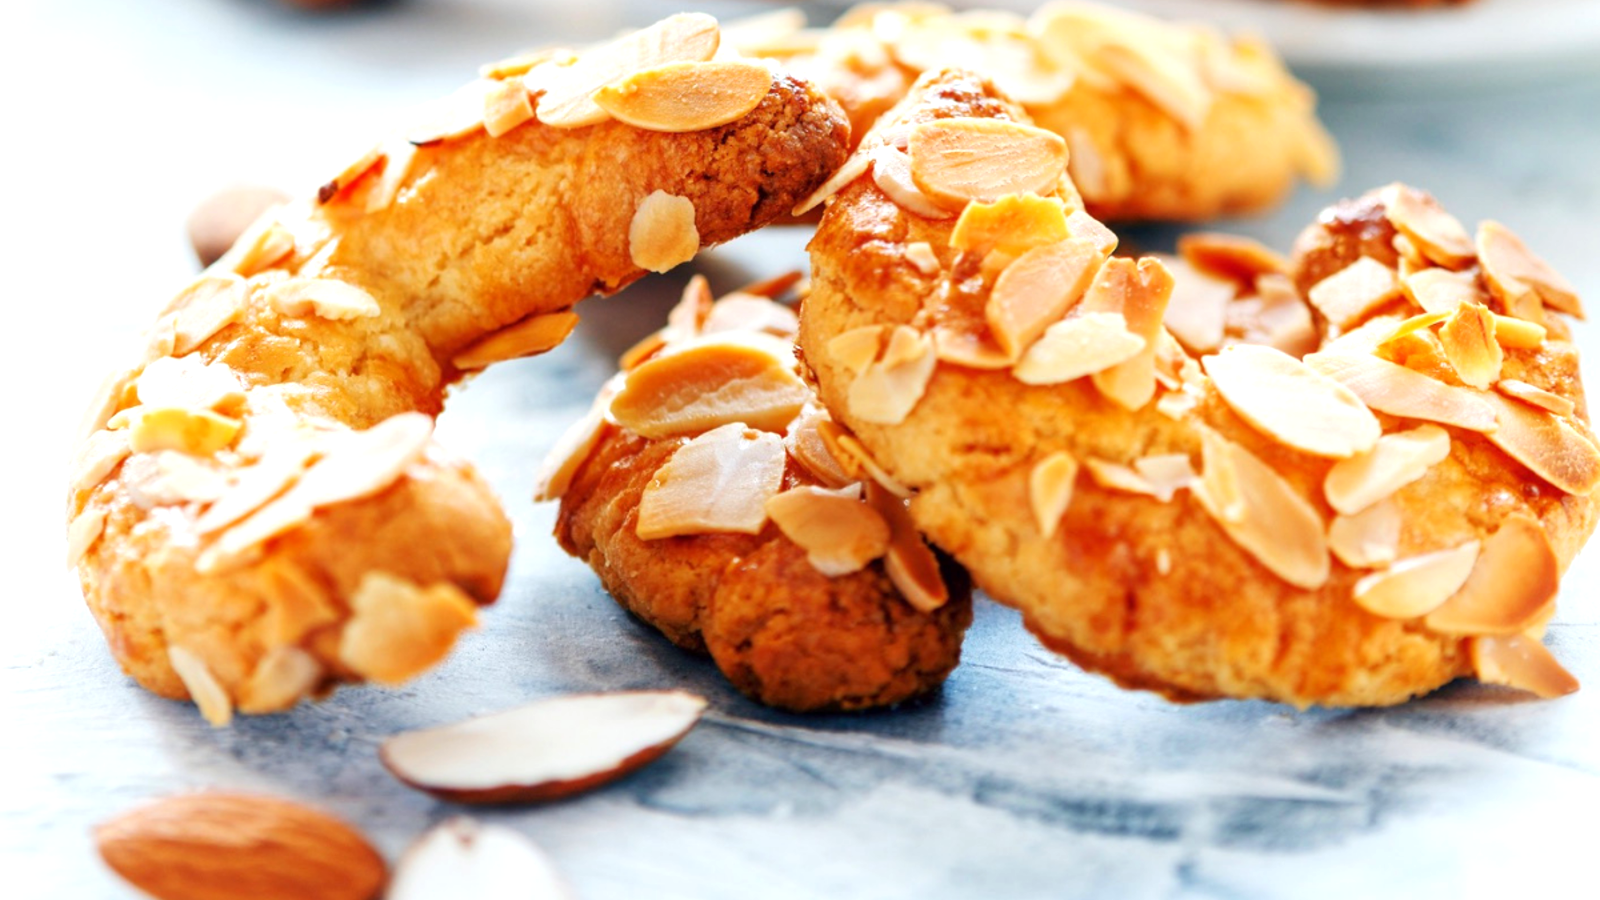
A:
[662,233]
[1117,477]
[1412,326]
[386,187]
[1086,164]
[717,482]
[686,96]
[350,175]
[1548,445]
[1437,234]
[1441,290]
[857,348]
[1512,270]
[964,347]
[685,37]
[1539,397]
[399,629]
[921,255]
[281,677]
[575,446]
[688,316]
[197,431]
[1369,539]
[851,454]
[1398,391]
[1082,225]
[1140,292]
[806,446]
[1347,296]
[1521,662]
[853,168]
[1290,402]
[1077,346]
[1397,459]
[1165,473]
[1037,289]
[188,382]
[1469,344]
[1050,484]
[1261,513]
[711,382]
[960,160]
[1166,80]
[527,337]
[647,348]
[1015,223]
[1231,257]
[1417,585]
[363,463]
[887,390]
[1513,583]
[270,245]
[84,530]
[505,106]
[204,308]
[839,532]
[237,544]
[256,485]
[891,172]
[1517,334]
[1197,315]
[324,297]
[204,688]
[1176,405]
[170,478]
[740,312]
[911,566]
[452,117]
[1275,317]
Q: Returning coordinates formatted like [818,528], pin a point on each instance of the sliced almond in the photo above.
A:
[1082,225]
[204,689]
[1347,296]
[204,308]
[459,857]
[545,750]
[1536,396]
[1276,317]
[1037,289]
[921,255]
[1398,391]
[850,453]
[911,566]
[1289,401]
[1521,662]
[1197,315]
[323,297]
[1548,445]
[662,233]
[398,629]
[1262,513]
[1140,292]
[717,482]
[260,250]
[200,432]
[1441,290]
[1164,78]
[385,188]
[1117,477]
[688,316]
[171,478]
[1412,326]
[505,106]
[82,533]
[1512,270]
[1230,257]
[1014,223]
[1437,234]
[960,160]
[839,532]
[1369,539]
[1396,460]
[350,175]
[1086,165]
[891,172]
[806,446]
[1518,334]
[256,485]
[1417,585]
[1513,583]
[857,348]
[280,679]
[1165,473]
[686,96]
[708,383]
[452,117]
[685,37]
[887,390]
[964,344]
[520,63]
[1050,484]
[1469,344]
[853,168]
[1078,346]
[527,337]
[575,446]
[188,382]
[741,312]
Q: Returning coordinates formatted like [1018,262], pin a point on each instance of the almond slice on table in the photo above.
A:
[1399,391]
[839,532]
[960,160]
[1520,661]
[568,98]
[1437,234]
[1368,539]
[545,750]
[1037,289]
[1536,396]
[1513,583]
[686,96]
[1417,585]
[1261,512]
[1546,444]
[1355,483]
[221,846]
[1077,346]
[463,858]
[1348,295]
[1512,271]
[1441,290]
[1470,345]
[528,337]
[1290,402]
[710,382]
[717,482]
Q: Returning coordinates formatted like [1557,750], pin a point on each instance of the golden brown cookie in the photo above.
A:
[1352,527]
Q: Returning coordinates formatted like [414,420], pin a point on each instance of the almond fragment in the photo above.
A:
[1436,233]
[963,344]
[1469,344]
[1037,289]
[350,175]
[1398,391]
[204,308]
[710,382]
[1140,292]
[1082,225]
[741,312]
[200,432]
[258,251]
[1412,326]
[1417,585]
[1396,460]
[921,255]
[575,446]
[857,348]
[505,106]
[1231,257]
[888,389]
[1050,484]
[685,37]
[170,478]
[545,750]
[1518,334]
[1512,271]
[855,459]
[853,168]
[1261,513]
[1513,583]
[188,382]
[203,687]
[1369,539]
[461,858]
[454,116]
[398,629]
[1197,315]
[324,297]
[891,172]
[960,160]
[717,482]
[839,532]
[519,64]
[256,485]
[1078,346]
[1348,295]
[662,233]
[1014,223]
[1548,445]
[806,446]
[1441,290]
[911,566]
[1521,662]
[686,96]
[82,533]
[1290,402]
[1536,396]
[530,336]
[217,846]
[280,679]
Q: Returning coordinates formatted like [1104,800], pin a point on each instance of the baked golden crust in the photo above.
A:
[1165,594]
[258,510]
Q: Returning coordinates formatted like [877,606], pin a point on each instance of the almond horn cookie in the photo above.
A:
[258,510]
[1354,526]
[1165,120]
[712,497]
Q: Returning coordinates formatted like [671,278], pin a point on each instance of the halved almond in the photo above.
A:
[200,432]
[1513,583]
[839,532]
[710,382]
[1369,539]
[460,857]
[1347,296]
[1197,315]
[1546,444]
[1261,513]
[1037,289]
[568,98]
[1536,396]
[326,298]
[1290,402]
[662,233]
[891,172]
[1231,257]
[545,750]
[1417,585]
[1140,292]
[911,566]
[1469,344]
[1014,223]
[1521,662]
[505,106]
[1512,270]
[686,96]
[960,160]
[1396,460]
[1050,484]
[1078,346]
[717,482]
[188,382]
[531,336]
[887,390]
[1441,290]
[1399,391]
[1437,234]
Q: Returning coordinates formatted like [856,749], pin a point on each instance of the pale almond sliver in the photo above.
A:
[1512,270]
[1396,460]
[686,96]
[188,382]
[204,308]
[911,566]
[204,688]
[888,389]
[256,485]
[1197,315]
[575,446]
[806,446]
[200,432]
[528,337]
[1441,290]
[853,168]
[82,533]
[1078,346]
[1050,489]
[1521,662]
[1369,539]
[1436,233]
[1513,583]
[717,482]
[505,106]
[1470,346]
[1348,295]
[1262,513]
[1399,391]
[1139,291]
[1290,402]
[891,172]
[1547,444]
[1038,288]
[325,298]
[1015,223]
[662,233]
[960,160]
[1417,585]
[1231,257]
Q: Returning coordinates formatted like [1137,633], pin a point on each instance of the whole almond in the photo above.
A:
[218,846]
